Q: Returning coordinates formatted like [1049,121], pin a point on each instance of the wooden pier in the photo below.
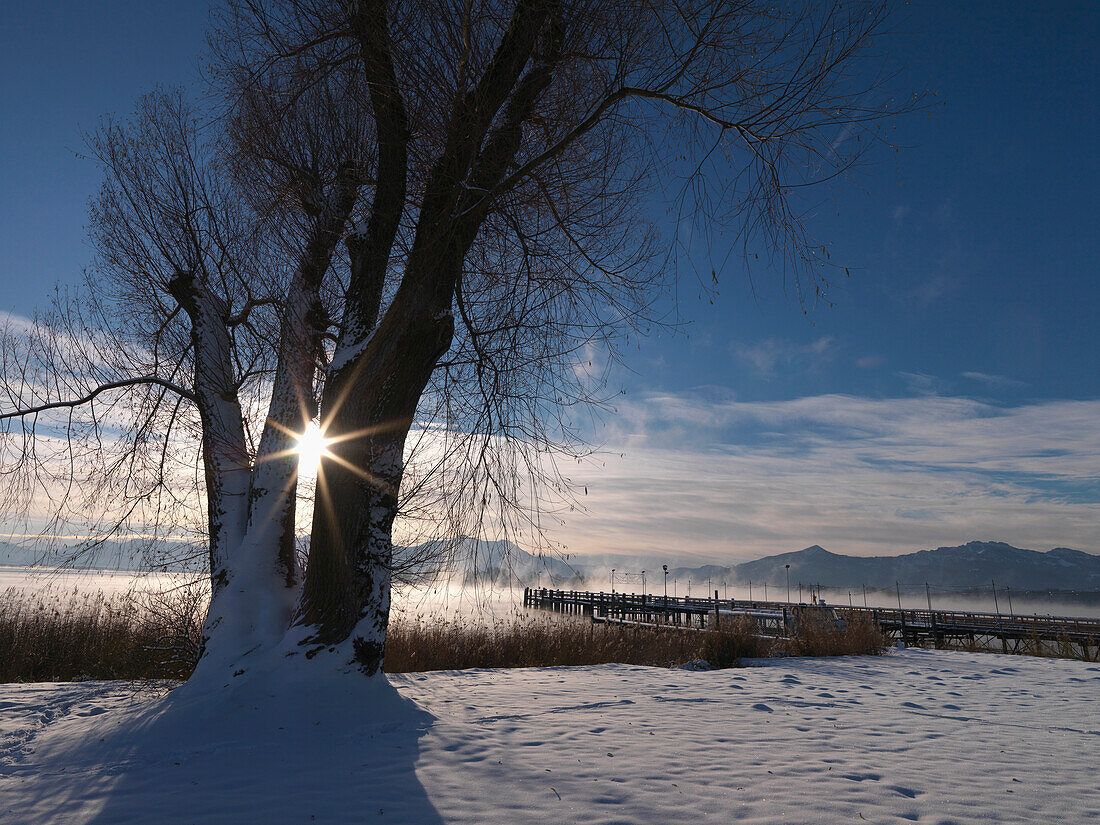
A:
[1007,633]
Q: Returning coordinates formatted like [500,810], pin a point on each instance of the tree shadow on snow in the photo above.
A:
[340,752]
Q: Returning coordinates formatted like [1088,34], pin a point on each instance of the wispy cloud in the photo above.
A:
[921,383]
[932,289]
[995,382]
[736,480]
[767,357]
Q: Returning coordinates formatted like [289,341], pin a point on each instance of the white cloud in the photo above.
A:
[16,324]
[736,480]
[932,289]
[923,384]
[767,356]
[995,382]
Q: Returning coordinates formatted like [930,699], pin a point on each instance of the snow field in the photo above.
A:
[914,736]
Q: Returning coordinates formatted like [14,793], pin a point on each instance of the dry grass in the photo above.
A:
[435,643]
[820,635]
[154,636]
[439,643]
[733,641]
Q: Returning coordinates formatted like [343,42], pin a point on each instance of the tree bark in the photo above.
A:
[225,455]
[369,404]
[293,403]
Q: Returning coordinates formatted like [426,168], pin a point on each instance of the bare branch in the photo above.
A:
[114,385]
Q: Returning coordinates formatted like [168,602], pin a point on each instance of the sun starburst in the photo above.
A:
[312,446]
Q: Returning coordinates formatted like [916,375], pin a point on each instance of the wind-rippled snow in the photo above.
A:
[915,736]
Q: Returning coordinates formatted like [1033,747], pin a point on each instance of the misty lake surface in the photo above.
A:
[453,599]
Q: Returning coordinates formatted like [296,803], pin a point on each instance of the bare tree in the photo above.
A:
[487,165]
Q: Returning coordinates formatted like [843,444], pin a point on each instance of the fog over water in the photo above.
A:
[43,581]
[494,602]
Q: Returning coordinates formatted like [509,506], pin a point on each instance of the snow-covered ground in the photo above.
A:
[914,736]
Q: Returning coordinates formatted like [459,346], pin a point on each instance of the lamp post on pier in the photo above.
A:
[612,580]
[788,584]
[665,568]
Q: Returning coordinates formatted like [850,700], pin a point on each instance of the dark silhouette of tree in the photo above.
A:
[412,221]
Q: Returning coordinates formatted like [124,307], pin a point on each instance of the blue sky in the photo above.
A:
[951,388]
[974,250]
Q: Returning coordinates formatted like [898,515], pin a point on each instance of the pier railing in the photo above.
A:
[1015,632]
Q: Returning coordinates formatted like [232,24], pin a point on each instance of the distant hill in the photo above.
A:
[493,562]
[973,564]
[111,555]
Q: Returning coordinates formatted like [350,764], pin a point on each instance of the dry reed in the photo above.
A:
[821,635]
[156,636]
[91,636]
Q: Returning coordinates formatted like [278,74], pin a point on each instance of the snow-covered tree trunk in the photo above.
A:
[226,464]
[379,372]
[271,533]
[375,382]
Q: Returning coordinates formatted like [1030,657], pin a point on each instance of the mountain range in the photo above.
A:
[968,566]
[497,562]
[120,554]
[971,565]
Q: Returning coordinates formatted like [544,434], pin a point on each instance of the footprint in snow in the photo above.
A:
[912,705]
[762,706]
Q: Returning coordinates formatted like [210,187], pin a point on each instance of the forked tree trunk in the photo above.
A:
[250,602]
[368,406]
[379,372]
[256,583]
[293,405]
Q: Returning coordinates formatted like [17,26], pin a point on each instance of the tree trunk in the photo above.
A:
[292,407]
[293,404]
[249,601]
[368,406]
[225,462]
